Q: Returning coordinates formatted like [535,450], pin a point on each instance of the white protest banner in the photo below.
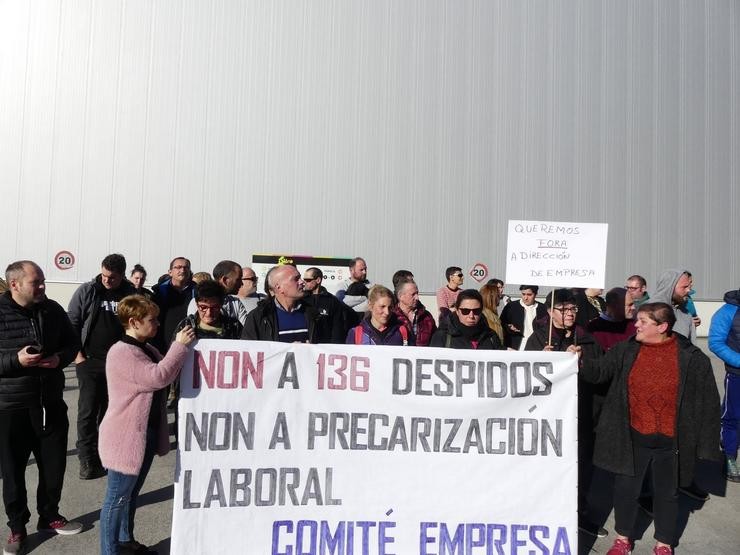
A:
[559,254]
[296,449]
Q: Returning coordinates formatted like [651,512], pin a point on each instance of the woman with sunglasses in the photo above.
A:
[466,328]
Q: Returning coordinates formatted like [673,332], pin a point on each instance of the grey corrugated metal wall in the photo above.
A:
[407,132]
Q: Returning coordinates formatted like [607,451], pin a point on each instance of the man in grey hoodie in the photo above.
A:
[673,288]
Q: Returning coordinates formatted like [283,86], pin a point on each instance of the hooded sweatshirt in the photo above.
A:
[664,294]
[724,332]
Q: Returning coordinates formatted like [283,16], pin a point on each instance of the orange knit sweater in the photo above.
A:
[653,389]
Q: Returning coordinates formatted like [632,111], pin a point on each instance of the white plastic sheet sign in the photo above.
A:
[363,450]
[558,254]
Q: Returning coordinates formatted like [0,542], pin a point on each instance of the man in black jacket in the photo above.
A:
[518,317]
[93,314]
[284,315]
[335,317]
[36,343]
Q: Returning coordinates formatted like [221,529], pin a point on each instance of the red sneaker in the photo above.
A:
[15,543]
[61,526]
[621,547]
[662,550]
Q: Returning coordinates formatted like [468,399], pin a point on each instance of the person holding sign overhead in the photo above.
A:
[559,332]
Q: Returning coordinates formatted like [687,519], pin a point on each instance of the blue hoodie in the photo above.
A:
[724,332]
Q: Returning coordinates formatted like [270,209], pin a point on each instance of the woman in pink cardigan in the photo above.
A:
[134,428]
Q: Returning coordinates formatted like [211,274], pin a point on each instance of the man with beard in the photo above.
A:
[672,288]
[93,313]
[36,343]
[353,291]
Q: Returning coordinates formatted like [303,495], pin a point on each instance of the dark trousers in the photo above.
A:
[730,414]
[660,461]
[91,406]
[26,431]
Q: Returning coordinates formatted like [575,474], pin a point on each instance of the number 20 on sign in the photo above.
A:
[333,372]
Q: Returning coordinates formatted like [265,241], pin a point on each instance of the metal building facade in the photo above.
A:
[407,132]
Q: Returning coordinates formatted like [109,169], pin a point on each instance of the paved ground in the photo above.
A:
[711,528]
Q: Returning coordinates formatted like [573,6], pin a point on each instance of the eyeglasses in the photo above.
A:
[254,279]
[208,307]
[564,309]
[475,311]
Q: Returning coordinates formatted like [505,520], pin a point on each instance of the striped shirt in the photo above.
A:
[292,326]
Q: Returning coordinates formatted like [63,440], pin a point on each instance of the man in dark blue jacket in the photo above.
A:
[36,343]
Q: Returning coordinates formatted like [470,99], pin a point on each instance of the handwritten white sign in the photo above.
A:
[558,254]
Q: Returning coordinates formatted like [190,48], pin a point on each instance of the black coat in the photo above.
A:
[451,334]
[232,328]
[697,415]
[262,323]
[47,324]
[513,313]
[334,317]
[541,332]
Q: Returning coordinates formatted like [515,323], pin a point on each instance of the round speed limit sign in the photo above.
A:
[64,260]
[479,272]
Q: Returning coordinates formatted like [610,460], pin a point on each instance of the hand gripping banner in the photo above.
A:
[295,449]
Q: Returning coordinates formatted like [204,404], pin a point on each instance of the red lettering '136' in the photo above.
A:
[336,368]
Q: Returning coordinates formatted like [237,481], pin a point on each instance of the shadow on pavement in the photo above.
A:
[89,520]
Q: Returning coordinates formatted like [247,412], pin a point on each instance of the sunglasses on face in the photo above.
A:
[466,311]
[458,275]
[309,279]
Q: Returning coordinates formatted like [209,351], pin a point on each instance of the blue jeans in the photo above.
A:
[119,505]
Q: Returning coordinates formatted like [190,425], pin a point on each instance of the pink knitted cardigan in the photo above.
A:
[132,380]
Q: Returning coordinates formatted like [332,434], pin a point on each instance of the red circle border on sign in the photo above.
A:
[62,253]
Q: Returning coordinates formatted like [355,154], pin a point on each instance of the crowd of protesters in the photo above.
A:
[644,387]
